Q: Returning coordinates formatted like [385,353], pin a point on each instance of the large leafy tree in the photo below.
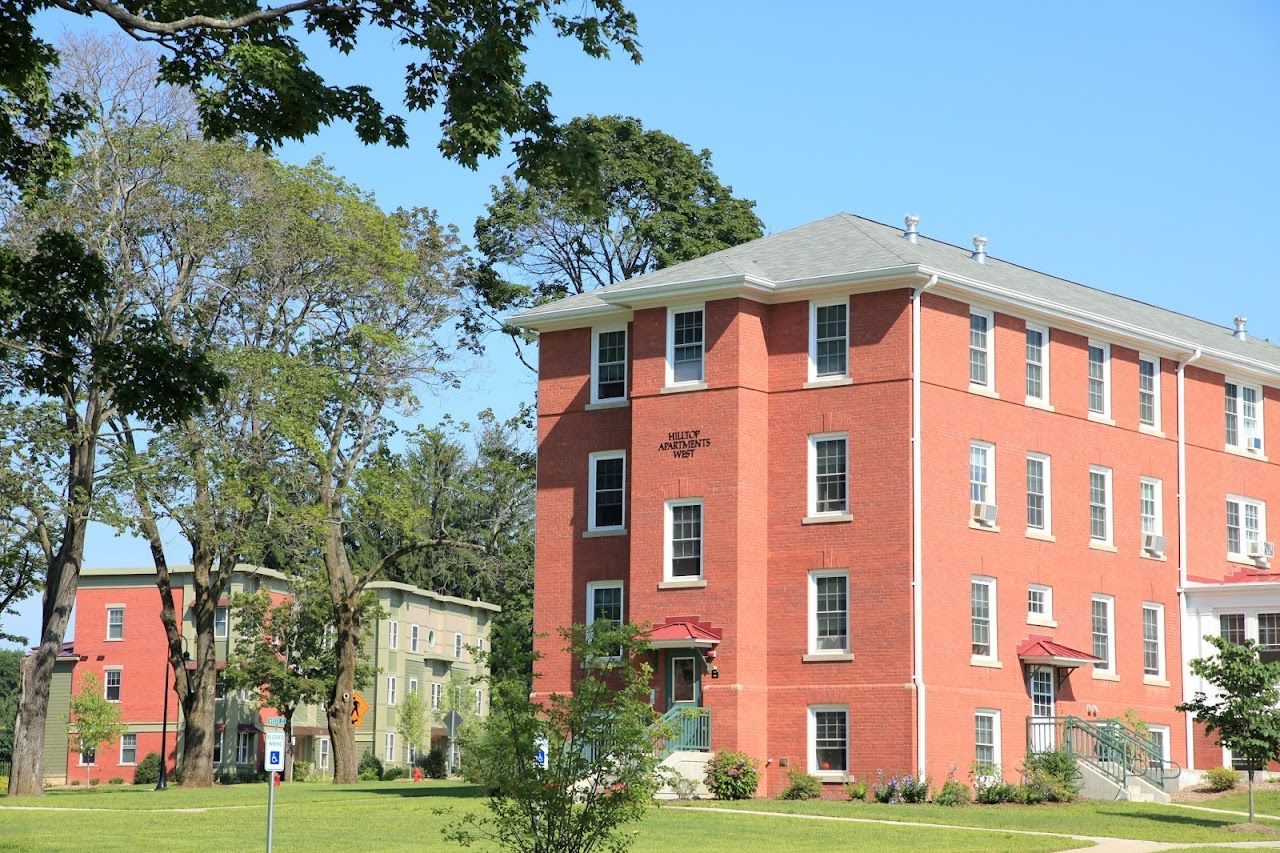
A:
[1244,710]
[658,203]
[96,721]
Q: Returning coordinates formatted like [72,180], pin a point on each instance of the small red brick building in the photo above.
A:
[886,501]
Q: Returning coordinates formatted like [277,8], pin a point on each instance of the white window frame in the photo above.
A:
[989,349]
[93,757]
[322,753]
[226,623]
[413,685]
[1161,674]
[115,608]
[414,633]
[1242,501]
[479,701]
[813,475]
[1105,413]
[669,506]
[592,459]
[993,648]
[812,742]
[996,734]
[1153,360]
[391,691]
[393,635]
[106,683]
[1242,442]
[1110,669]
[390,752]
[431,637]
[814,576]
[596,399]
[410,753]
[989,484]
[595,586]
[1046,466]
[1046,618]
[1043,399]
[671,346]
[244,747]
[1162,732]
[1157,496]
[217,746]
[457,646]
[814,305]
[436,690]
[123,738]
[1108,508]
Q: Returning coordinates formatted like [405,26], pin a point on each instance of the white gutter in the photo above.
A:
[1182,542]
[917,514]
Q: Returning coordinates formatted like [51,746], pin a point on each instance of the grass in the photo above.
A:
[404,816]
[1266,799]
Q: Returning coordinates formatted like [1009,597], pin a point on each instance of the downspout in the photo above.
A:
[1188,726]
[917,513]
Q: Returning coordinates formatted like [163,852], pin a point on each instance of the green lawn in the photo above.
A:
[402,816]
[1266,799]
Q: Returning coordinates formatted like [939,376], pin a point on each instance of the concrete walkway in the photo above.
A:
[1097,843]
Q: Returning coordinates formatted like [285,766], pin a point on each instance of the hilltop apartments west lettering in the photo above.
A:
[682,443]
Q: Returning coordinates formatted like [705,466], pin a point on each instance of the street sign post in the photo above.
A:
[275,721]
[540,755]
[452,723]
[273,762]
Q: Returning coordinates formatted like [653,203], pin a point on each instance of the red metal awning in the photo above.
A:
[1042,650]
[682,634]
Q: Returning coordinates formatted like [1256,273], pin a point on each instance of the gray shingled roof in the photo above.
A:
[847,244]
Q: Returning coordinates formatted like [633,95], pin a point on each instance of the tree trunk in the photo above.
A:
[342,735]
[288,743]
[1250,792]
[199,704]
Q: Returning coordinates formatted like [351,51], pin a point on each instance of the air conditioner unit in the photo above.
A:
[1262,550]
[1153,544]
[1255,444]
[983,513]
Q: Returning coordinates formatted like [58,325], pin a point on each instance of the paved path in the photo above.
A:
[1096,843]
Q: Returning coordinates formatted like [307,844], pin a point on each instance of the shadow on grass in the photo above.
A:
[1171,819]
[465,792]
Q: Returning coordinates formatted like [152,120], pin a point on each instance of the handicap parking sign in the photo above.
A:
[273,759]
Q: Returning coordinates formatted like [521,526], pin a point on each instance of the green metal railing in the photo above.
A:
[693,729]
[1109,746]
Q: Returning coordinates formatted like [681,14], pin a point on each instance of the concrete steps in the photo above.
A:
[690,769]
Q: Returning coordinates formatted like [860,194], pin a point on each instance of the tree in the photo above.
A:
[601,753]
[658,203]
[1245,708]
[10,690]
[412,722]
[97,721]
[251,76]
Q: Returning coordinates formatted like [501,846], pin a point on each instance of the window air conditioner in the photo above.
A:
[983,513]
[1153,544]
[1262,550]
[1255,444]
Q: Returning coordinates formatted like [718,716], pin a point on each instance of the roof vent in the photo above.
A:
[911,234]
[980,249]
[1240,333]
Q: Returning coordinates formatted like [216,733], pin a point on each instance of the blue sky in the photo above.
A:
[1129,146]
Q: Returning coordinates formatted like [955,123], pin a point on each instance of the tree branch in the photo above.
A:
[129,21]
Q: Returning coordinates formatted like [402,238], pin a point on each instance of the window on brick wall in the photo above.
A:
[129,748]
[684,539]
[609,365]
[606,490]
[1040,604]
[986,739]
[1104,634]
[829,611]
[1244,416]
[1100,379]
[685,346]
[829,474]
[1246,524]
[1037,364]
[115,622]
[111,684]
[982,617]
[829,339]
[1039,495]
[1153,640]
[828,740]
[981,356]
[1149,506]
[1149,391]
[604,604]
[982,472]
[1100,504]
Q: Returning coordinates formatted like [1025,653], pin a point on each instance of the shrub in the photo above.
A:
[953,793]
[802,787]
[732,775]
[302,771]
[1221,779]
[249,774]
[857,790]
[369,763]
[1051,776]
[432,763]
[115,780]
[393,773]
[901,789]
[368,775]
[95,782]
[148,770]
[915,791]
[73,782]
[989,787]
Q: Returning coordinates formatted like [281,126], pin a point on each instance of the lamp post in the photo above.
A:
[164,719]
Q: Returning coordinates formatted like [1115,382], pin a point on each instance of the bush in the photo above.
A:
[732,775]
[95,782]
[432,763]
[857,790]
[901,789]
[989,787]
[802,787]
[369,763]
[73,782]
[953,793]
[393,773]
[148,770]
[1221,779]
[1051,776]
[302,771]
[115,780]
[249,774]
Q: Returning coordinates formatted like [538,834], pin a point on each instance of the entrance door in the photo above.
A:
[684,682]
[1041,685]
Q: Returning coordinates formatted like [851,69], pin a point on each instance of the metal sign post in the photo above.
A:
[272,761]
[452,722]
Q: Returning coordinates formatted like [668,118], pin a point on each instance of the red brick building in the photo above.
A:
[884,499]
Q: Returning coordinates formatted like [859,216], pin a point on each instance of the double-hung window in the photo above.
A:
[1099,379]
[981,362]
[129,749]
[1269,636]
[244,747]
[1100,504]
[479,701]
[608,365]
[1246,525]
[684,539]
[828,740]
[1231,627]
[607,490]
[604,604]
[435,695]
[1244,417]
[217,747]
[115,623]
[322,760]
[986,739]
[1153,640]
[1039,502]
[828,612]
[413,638]
[220,623]
[1037,364]
[829,474]
[1104,635]
[829,339]
[1040,605]
[685,346]
[391,690]
[413,685]
[1149,391]
[982,480]
[982,617]
[457,646]
[393,635]
[1149,506]
[111,680]
[390,753]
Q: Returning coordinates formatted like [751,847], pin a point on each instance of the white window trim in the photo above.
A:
[479,701]
[1158,495]
[812,742]
[1166,743]
[596,332]
[989,386]
[414,637]
[226,625]
[1043,399]
[1243,556]
[813,475]
[1242,444]
[1163,673]
[814,575]
[121,608]
[431,637]
[1155,360]
[666,540]
[996,734]
[390,752]
[591,488]
[413,685]
[122,762]
[1109,540]
[814,305]
[322,753]
[1109,671]
[671,347]
[1044,619]
[991,469]
[993,657]
[393,635]
[105,670]
[80,762]
[593,587]
[458,646]
[1105,414]
[1045,532]
[247,739]
[391,691]
[436,691]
